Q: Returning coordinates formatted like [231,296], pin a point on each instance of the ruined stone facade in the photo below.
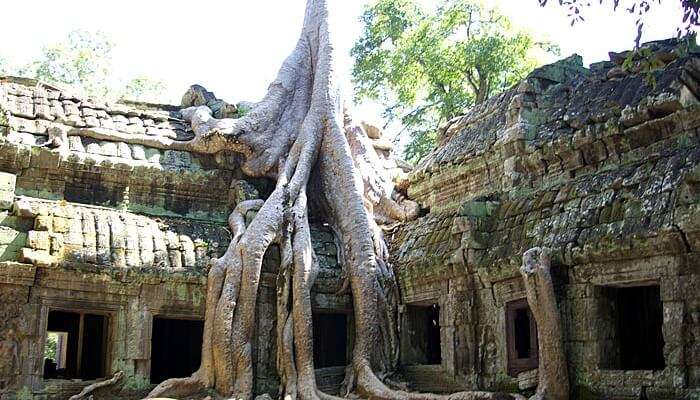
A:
[601,167]
[597,164]
[94,223]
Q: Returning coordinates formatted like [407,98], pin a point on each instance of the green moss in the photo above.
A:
[478,208]
[136,382]
[41,194]
[584,393]
[214,216]
[24,394]
[242,110]
[505,384]
[634,209]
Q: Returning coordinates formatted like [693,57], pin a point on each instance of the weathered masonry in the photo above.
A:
[105,241]
[104,245]
[604,170]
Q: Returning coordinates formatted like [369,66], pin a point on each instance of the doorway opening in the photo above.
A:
[75,346]
[330,340]
[422,344]
[521,337]
[632,319]
[176,348]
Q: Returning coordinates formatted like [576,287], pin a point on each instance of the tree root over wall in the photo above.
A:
[297,135]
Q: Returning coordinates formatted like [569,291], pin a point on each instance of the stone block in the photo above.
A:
[75,143]
[478,208]
[118,258]
[93,148]
[138,152]
[38,240]
[73,252]
[37,257]
[60,224]
[46,159]
[673,322]
[109,149]
[56,242]
[43,223]
[188,253]
[124,150]
[7,182]
[15,222]
[7,198]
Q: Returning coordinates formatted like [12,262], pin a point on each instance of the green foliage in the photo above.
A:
[3,66]
[505,384]
[242,110]
[428,67]
[50,346]
[144,88]
[24,394]
[585,393]
[83,62]
[137,382]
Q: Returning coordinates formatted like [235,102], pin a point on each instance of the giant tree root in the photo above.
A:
[99,389]
[296,136]
[553,376]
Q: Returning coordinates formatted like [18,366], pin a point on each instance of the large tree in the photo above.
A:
[3,66]
[82,61]
[299,136]
[427,67]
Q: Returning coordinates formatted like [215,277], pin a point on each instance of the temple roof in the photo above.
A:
[595,163]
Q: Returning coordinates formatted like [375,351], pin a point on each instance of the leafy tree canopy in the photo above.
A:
[3,66]
[429,66]
[83,62]
[144,88]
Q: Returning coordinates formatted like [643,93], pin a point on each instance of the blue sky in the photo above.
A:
[235,47]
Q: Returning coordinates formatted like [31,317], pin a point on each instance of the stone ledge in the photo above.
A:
[14,273]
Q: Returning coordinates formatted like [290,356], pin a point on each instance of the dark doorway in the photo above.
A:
[176,348]
[521,336]
[81,352]
[422,336]
[634,338]
[330,340]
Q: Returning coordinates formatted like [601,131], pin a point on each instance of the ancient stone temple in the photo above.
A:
[106,234]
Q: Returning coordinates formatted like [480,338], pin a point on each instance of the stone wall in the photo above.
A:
[600,166]
[96,217]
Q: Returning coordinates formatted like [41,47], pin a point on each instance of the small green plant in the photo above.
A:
[242,110]
[505,383]
[50,347]
[24,394]
[136,382]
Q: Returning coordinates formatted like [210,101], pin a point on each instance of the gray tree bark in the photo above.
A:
[297,136]
[101,389]
[553,376]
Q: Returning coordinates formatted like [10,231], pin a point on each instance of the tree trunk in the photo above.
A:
[553,376]
[296,135]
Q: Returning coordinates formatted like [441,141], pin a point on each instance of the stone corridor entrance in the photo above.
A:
[330,340]
[81,345]
[421,339]
[521,337]
[633,337]
[176,348]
